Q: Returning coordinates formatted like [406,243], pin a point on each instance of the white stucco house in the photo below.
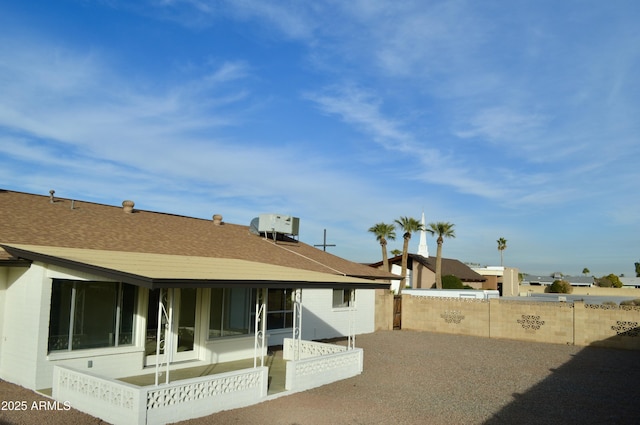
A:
[93,294]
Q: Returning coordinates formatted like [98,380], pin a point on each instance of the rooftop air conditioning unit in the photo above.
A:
[278,223]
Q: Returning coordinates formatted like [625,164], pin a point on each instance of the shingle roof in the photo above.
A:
[33,220]
[450,266]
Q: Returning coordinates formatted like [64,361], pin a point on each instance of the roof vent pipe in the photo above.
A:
[127,206]
[51,192]
[217,219]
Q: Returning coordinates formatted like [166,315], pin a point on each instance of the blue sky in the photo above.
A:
[514,119]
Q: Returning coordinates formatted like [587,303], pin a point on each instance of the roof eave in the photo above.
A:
[25,256]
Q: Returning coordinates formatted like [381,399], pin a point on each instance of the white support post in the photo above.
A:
[163,333]
[168,347]
[260,326]
[351,343]
[296,297]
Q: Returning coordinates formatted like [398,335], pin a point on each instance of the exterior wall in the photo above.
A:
[510,282]
[384,310]
[422,277]
[608,326]
[23,325]
[490,283]
[320,320]
[230,349]
[535,321]
[4,282]
[446,315]
[559,323]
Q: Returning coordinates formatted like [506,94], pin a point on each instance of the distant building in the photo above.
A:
[530,279]
[421,271]
[505,279]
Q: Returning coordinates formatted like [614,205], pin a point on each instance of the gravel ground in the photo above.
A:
[425,378]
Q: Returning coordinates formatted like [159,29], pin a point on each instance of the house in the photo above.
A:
[421,271]
[91,294]
[630,282]
[504,279]
[529,279]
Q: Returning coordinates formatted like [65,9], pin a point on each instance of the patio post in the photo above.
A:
[260,326]
[297,322]
[351,343]
[163,334]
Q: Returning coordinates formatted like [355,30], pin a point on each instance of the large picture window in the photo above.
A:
[90,315]
[230,312]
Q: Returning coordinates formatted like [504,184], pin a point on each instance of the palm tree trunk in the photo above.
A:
[385,259]
[405,256]
[439,265]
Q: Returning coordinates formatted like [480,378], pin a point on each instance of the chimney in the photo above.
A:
[127,206]
[51,192]
[217,219]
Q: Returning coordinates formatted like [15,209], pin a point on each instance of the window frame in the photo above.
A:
[348,300]
[70,308]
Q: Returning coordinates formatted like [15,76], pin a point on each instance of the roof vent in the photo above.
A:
[127,206]
[51,198]
[217,219]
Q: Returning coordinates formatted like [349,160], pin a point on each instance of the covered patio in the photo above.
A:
[203,390]
[171,389]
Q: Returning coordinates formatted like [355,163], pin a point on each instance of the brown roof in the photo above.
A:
[29,219]
[450,266]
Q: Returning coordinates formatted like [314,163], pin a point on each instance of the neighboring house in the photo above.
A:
[421,271]
[630,282]
[504,279]
[529,279]
[90,293]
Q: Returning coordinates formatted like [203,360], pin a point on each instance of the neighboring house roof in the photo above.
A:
[630,281]
[450,266]
[101,232]
[548,280]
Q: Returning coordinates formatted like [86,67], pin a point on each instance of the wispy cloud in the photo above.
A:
[346,113]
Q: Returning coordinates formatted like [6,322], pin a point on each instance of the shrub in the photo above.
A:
[631,302]
[609,281]
[451,282]
[559,287]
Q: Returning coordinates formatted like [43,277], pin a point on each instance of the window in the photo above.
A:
[90,315]
[279,309]
[342,298]
[230,312]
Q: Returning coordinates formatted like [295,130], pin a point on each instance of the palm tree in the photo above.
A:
[443,230]
[409,225]
[502,245]
[383,232]
[396,251]
[586,271]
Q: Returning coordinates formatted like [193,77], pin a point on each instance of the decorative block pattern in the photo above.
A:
[531,322]
[163,397]
[310,349]
[323,365]
[97,388]
[452,316]
[626,328]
